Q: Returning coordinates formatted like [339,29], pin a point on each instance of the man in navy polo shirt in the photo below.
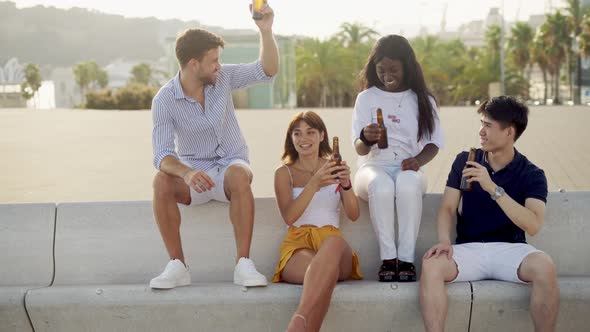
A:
[507,199]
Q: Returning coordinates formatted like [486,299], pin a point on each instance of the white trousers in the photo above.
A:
[384,187]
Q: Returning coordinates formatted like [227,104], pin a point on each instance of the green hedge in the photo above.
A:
[129,97]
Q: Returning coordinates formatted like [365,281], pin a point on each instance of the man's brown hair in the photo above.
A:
[194,43]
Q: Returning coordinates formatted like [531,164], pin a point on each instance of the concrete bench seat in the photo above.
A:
[106,253]
[13,315]
[357,306]
[26,259]
[504,306]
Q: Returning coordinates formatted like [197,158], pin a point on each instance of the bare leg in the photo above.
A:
[433,295]
[538,268]
[168,192]
[241,206]
[319,273]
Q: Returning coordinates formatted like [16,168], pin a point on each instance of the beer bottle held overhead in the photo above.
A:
[336,157]
[466,186]
[382,142]
[257,9]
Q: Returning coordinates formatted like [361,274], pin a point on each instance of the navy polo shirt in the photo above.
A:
[482,219]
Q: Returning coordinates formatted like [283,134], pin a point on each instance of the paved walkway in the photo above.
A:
[77,155]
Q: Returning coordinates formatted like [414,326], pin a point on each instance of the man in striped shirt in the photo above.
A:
[199,149]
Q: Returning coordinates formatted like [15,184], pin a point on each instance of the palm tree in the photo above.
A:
[32,82]
[357,39]
[320,72]
[353,34]
[89,75]
[427,51]
[576,18]
[441,62]
[584,37]
[473,81]
[141,74]
[540,58]
[493,39]
[519,46]
[556,31]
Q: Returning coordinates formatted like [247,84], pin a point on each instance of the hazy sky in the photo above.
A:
[317,18]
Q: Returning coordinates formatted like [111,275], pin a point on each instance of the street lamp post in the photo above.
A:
[502,71]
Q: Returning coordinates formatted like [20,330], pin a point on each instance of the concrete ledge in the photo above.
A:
[26,244]
[95,242]
[116,248]
[13,316]
[119,243]
[357,306]
[564,235]
[504,306]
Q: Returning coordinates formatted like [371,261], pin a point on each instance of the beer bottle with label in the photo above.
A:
[382,142]
[466,186]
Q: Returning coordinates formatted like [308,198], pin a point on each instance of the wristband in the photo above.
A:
[365,140]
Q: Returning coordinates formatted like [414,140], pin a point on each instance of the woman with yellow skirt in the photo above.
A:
[310,189]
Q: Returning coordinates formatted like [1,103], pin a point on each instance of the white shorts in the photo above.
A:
[494,260]
[217,174]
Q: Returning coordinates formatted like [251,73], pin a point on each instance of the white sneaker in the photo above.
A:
[245,274]
[175,274]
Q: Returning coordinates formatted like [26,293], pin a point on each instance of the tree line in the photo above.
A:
[327,70]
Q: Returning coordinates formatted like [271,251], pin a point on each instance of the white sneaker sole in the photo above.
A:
[251,283]
[168,285]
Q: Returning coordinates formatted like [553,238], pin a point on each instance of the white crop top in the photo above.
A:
[322,210]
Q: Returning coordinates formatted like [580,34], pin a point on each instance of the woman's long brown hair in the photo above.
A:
[290,155]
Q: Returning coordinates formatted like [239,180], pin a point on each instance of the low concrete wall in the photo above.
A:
[503,306]
[356,306]
[106,253]
[26,244]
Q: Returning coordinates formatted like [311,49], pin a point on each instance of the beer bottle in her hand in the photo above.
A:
[382,142]
[336,157]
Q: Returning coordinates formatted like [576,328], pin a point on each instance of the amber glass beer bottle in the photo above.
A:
[336,157]
[256,9]
[466,186]
[382,142]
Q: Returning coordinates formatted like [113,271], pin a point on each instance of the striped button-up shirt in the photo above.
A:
[202,138]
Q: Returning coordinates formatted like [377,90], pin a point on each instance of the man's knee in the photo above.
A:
[434,268]
[169,187]
[163,183]
[238,177]
[539,267]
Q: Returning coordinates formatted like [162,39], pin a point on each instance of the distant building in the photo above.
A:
[11,76]
[67,92]
[119,71]
[473,33]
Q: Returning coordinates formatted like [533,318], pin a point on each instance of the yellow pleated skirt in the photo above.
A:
[309,237]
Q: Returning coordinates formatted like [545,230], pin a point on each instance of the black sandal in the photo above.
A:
[406,271]
[388,271]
